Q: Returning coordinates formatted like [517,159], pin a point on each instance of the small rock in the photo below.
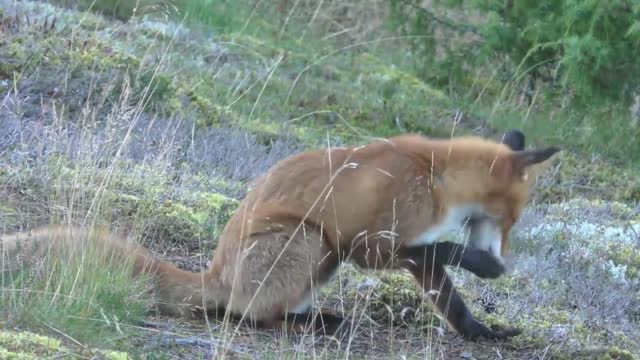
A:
[367,284]
[466,355]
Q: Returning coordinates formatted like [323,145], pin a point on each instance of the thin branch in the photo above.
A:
[462,28]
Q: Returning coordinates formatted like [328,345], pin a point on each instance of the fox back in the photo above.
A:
[410,188]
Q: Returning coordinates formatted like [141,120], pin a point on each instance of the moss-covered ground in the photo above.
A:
[25,345]
[159,127]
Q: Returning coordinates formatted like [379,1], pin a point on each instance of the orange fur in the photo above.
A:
[316,209]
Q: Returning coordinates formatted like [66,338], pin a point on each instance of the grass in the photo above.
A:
[342,81]
[391,93]
[84,297]
[602,131]
[158,128]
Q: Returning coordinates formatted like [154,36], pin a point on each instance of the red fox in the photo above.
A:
[382,206]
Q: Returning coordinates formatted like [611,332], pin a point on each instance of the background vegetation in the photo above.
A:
[153,116]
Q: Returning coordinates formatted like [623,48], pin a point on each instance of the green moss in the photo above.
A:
[616,353]
[535,326]
[585,340]
[397,293]
[496,320]
[210,114]
[200,219]
[27,346]
[386,297]
[27,343]
[627,255]
[544,317]
[602,180]
[15,57]
[175,223]
[601,353]
[220,206]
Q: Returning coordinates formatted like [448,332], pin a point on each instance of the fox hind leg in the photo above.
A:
[273,282]
[321,322]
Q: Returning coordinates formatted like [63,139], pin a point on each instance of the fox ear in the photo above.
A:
[514,139]
[521,160]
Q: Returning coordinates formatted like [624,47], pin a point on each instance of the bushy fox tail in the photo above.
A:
[177,291]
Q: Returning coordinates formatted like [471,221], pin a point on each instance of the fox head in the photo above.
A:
[487,184]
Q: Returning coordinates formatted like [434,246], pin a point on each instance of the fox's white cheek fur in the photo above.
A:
[454,221]
[485,234]
[482,233]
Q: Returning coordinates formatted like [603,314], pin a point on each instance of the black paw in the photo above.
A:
[475,330]
[331,324]
[482,264]
[504,333]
